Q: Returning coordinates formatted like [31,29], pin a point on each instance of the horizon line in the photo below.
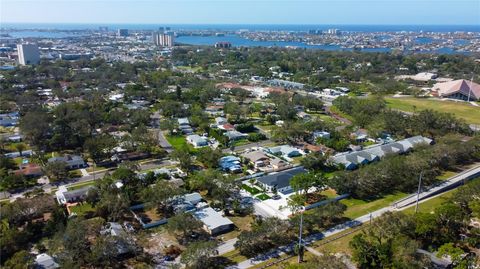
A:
[296,24]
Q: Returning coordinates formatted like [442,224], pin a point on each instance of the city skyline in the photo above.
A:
[344,12]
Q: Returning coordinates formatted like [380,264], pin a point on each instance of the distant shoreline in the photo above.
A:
[250,27]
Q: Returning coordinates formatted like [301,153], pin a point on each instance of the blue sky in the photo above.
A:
[406,12]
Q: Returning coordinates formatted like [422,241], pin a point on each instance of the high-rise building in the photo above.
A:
[223,45]
[164,40]
[122,32]
[28,54]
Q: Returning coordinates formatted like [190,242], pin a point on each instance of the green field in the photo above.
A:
[357,207]
[470,113]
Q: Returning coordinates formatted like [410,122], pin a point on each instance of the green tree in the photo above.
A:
[56,170]
[209,157]
[184,158]
[20,147]
[198,255]
[183,225]
[20,260]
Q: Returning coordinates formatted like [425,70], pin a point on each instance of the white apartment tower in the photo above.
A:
[28,54]
[164,40]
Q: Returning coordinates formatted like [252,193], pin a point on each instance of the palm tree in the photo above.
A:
[20,147]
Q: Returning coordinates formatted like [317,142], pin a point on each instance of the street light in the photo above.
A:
[300,248]
[418,191]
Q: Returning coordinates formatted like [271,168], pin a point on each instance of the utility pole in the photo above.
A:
[300,248]
[418,192]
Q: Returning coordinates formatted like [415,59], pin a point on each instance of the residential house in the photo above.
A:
[184,126]
[25,153]
[280,181]
[285,151]
[72,161]
[64,196]
[130,156]
[320,134]
[257,158]
[9,119]
[278,163]
[214,109]
[220,121]
[113,228]
[352,160]
[194,198]
[360,135]
[197,141]
[235,135]
[213,222]
[230,164]
[304,116]
[45,261]
[29,170]
[226,127]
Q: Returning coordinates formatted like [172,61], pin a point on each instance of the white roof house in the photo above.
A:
[72,161]
[220,120]
[45,261]
[193,198]
[197,140]
[285,150]
[64,196]
[183,121]
[213,222]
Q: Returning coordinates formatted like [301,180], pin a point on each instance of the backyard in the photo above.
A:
[81,209]
[179,142]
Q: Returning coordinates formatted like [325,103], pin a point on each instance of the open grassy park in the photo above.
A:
[468,112]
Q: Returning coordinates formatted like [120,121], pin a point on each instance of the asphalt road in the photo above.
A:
[47,187]
[398,206]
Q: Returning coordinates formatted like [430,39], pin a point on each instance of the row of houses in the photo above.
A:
[352,160]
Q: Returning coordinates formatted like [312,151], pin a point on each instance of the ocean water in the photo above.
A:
[250,27]
[238,41]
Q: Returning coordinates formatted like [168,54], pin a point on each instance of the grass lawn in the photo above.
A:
[179,142]
[82,209]
[241,142]
[251,190]
[446,175]
[263,197]
[327,118]
[75,173]
[18,160]
[469,113]
[337,246]
[430,205]
[241,224]
[234,256]
[97,168]
[191,69]
[81,185]
[357,207]
[330,193]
